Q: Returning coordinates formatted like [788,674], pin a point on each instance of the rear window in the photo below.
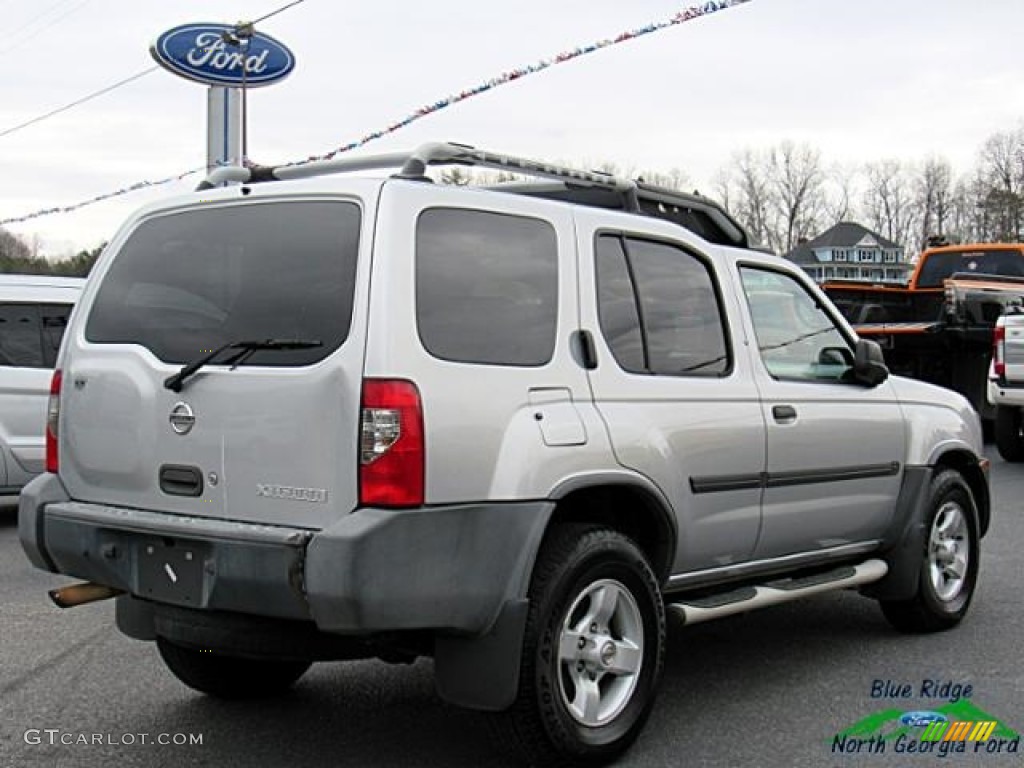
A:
[940,266]
[190,282]
[486,287]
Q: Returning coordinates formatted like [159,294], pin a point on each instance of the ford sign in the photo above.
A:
[921,719]
[202,52]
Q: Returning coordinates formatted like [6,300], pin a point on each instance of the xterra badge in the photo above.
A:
[313,495]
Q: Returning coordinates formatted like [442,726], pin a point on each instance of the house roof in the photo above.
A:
[845,234]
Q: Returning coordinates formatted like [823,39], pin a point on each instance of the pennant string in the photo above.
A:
[688,14]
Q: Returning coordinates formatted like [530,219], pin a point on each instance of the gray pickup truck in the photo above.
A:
[316,416]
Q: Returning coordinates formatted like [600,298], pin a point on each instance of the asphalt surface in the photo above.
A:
[769,688]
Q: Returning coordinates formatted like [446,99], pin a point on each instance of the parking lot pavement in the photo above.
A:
[769,688]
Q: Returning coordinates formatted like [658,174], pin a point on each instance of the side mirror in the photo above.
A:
[869,366]
[838,356]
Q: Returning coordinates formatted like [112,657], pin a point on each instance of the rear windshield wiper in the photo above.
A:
[243,351]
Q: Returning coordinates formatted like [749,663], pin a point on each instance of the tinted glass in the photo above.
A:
[54,321]
[620,322]
[20,342]
[197,280]
[486,287]
[796,337]
[939,266]
[679,310]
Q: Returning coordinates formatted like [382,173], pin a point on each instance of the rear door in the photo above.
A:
[273,437]
[673,384]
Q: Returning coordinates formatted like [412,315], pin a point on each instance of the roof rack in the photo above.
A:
[413,166]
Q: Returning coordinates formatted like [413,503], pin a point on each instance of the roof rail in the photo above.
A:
[413,166]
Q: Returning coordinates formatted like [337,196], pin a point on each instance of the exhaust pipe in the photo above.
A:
[80,594]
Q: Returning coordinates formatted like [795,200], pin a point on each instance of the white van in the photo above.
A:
[34,311]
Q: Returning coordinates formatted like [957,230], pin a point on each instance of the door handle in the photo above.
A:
[784,414]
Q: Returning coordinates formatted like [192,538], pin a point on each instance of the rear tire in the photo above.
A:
[1009,439]
[229,677]
[592,653]
[948,563]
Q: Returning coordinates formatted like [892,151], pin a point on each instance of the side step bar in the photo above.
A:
[744,599]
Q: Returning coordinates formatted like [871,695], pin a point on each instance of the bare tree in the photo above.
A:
[839,190]
[673,178]
[796,176]
[1002,164]
[747,193]
[455,176]
[889,201]
[934,189]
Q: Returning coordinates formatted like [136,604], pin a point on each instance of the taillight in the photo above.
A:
[52,420]
[999,352]
[391,448]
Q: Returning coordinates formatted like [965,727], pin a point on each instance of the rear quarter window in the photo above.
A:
[199,279]
[486,287]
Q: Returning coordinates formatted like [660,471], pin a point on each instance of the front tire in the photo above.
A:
[593,651]
[1009,439]
[949,563]
[229,677]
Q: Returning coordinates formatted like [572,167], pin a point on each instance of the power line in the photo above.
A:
[37,17]
[75,103]
[109,88]
[688,14]
[22,39]
[274,13]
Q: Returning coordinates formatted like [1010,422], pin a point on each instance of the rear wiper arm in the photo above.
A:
[244,350]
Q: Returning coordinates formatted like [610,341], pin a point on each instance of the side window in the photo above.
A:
[616,301]
[486,287]
[54,320]
[797,339]
[20,344]
[658,309]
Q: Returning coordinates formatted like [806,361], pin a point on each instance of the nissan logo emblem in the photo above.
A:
[182,419]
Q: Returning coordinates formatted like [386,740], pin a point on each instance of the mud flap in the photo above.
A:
[482,672]
[905,542]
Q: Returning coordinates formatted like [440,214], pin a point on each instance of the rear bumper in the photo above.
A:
[1001,392]
[441,568]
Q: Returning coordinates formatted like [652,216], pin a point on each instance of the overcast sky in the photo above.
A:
[861,80]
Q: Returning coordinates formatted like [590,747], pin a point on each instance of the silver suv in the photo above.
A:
[34,311]
[334,417]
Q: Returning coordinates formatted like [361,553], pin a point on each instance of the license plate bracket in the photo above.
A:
[171,571]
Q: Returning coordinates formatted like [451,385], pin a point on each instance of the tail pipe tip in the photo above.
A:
[81,594]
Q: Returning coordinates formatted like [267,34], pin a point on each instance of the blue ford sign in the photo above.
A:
[921,719]
[202,52]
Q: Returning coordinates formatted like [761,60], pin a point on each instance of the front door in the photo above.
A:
[835,446]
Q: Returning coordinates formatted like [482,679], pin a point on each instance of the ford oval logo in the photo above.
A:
[922,719]
[200,52]
[182,418]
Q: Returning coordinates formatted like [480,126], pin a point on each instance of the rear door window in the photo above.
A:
[659,309]
[193,281]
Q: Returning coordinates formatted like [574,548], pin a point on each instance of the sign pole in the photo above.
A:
[223,127]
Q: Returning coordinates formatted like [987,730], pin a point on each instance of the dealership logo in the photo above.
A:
[215,54]
[949,724]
